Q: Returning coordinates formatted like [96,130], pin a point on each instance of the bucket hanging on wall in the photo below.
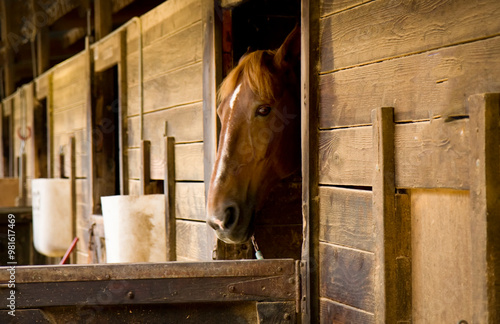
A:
[134,227]
[52,228]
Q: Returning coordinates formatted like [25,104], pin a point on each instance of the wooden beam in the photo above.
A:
[169,190]
[145,166]
[43,50]
[8,53]
[122,117]
[485,205]
[212,77]
[383,207]
[72,178]
[309,19]
[103,23]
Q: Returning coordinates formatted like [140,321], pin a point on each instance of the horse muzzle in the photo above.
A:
[230,224]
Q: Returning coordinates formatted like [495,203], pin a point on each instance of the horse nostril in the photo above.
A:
[230,217]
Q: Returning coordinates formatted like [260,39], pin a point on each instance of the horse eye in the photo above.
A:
[263,111]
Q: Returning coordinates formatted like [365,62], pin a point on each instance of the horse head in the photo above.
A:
[259,141]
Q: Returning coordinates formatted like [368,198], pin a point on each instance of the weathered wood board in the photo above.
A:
[442,271]
[381,30]
[435,83]
[422,150]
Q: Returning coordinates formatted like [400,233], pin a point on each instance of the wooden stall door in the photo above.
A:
[170,60]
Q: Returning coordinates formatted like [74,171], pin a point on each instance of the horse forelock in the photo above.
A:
[256,69]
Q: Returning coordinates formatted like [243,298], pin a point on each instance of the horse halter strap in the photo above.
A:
[258,254]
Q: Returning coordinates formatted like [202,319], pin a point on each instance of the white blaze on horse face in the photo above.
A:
[234,96]
[225,151]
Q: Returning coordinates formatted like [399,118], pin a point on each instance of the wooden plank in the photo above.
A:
[192,241]
[485,206]
[175,88]
[428,155]
[418,86]
[170,197]
[137,271]
[383,186]
[276,312]
[122,115]
[69,71]
[70,120]
[190,200]
[103,21]
[189,162]
[145,152]
[441,257]
[42,86]
[310,256]
[174,51]
[433,154]
[185,125]
[346,156]
[107,52]
[383,29]
[332,312]
[329,7]
[346,217]
[347,276]
[169,17]
[134,158]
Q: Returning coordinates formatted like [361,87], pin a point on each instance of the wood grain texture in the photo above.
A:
[189,162]
[419,87]
[192,244]
[346,156]
[185,124]
[432,154]
[384,29]
[332,312]
[169,189]
[107,52]
[347,276]
[175,88]
[171,52]
[383,186]
[485,206]
[190,200]
[168,18]
[329,7]
[441,256]
[346,217]
[427,155]
[41,86]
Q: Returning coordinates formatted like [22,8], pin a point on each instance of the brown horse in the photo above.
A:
[259,141]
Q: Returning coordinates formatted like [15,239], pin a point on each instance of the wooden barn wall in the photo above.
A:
[67,89]
[172,87]
[424,58]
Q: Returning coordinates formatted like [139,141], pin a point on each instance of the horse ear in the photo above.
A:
[249,50]
[289,52]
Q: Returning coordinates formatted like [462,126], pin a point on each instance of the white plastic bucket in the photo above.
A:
[52,230]
[134,228]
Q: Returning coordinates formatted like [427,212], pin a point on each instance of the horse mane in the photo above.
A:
[254,68]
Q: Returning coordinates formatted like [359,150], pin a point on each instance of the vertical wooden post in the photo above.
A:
[43,49]
[72,177]
[122,114]
[145,166]
[169,190]
[103,22]
[383,208]
[212,75]
[485,205]
[309,265]
[50,128]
